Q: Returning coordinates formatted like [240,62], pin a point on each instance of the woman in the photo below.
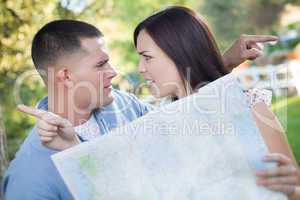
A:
[178,55]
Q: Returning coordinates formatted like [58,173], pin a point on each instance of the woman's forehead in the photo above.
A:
[145,42]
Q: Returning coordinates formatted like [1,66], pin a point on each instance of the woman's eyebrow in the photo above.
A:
[143,52]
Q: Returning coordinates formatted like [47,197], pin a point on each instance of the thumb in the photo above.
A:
[60,121]
[252,53]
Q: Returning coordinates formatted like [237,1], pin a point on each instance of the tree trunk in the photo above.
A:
[3,147]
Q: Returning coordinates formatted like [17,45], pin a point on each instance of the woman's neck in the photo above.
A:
[183,92]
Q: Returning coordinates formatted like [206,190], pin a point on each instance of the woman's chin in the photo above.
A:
[159,93]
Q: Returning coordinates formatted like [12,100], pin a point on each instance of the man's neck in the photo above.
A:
[63,105]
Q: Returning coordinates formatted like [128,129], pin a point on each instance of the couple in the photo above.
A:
[172,44]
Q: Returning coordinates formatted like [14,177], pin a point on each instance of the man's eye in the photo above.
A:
[101,64]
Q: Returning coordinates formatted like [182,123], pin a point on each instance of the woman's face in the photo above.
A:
[158,69]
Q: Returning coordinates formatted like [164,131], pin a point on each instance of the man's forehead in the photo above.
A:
[93,45]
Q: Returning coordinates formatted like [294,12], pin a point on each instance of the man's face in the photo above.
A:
[90,75]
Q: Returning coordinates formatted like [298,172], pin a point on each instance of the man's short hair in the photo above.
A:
[58,38]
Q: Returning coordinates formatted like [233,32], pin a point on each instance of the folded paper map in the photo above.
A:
[202,147]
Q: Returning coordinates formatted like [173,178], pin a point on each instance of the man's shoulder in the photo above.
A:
[31,171]
[31,160]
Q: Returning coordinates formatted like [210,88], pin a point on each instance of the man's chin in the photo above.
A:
[108,100]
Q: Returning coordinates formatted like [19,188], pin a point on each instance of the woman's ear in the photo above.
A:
[64,76]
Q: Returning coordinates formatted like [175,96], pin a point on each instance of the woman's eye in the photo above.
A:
[147,58]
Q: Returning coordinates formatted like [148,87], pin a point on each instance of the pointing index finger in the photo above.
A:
[31,111]
[261,38]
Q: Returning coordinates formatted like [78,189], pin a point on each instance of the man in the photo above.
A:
[70,56]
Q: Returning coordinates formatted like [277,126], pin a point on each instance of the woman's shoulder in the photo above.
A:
[257,95]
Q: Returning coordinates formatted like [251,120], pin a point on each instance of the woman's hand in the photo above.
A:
[246,47]
[284,178]
[55,132]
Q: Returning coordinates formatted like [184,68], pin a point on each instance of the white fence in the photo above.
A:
[275,77]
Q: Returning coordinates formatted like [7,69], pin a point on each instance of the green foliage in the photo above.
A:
[291,44]
[230,18]
[19,20]
[288,111]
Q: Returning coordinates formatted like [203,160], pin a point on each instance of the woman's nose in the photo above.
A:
[141,67]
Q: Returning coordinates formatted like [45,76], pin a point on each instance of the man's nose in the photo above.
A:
[111,73]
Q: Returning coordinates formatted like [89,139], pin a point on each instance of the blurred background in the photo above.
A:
[277,70]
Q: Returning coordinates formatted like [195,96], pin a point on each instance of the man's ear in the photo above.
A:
[64,76]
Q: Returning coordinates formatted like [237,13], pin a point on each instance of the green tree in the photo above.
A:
[3,148]
[19,20]
[230,18]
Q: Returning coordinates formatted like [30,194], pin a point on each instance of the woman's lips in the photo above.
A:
[149,82]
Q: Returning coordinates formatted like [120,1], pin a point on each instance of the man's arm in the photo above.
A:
[246,47]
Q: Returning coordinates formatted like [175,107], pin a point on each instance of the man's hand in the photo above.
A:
[55,132]
[247,47]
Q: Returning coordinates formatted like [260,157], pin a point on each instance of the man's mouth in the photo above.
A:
[108,86]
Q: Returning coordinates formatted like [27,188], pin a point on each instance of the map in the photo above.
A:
[205,146]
